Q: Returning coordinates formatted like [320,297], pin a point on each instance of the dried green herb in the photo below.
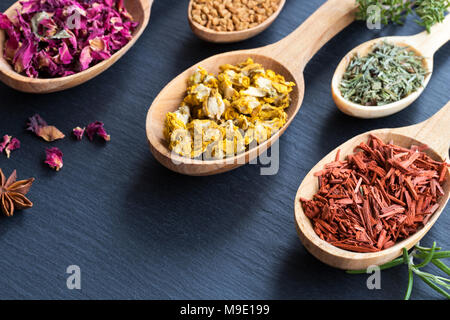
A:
[434,255]
[429,12]
[387,74]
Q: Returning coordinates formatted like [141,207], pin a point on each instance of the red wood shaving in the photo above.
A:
[378,196]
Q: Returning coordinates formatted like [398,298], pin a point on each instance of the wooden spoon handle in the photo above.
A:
[299,47]
[429,43]
[434,131]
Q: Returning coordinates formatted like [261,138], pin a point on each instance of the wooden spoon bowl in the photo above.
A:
[423,44]
[169,100]
[232,36]
[286,57]
[430,133]
[139,10]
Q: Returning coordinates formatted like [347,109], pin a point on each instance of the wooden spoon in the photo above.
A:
[287,57]
[140,11]
[434,133]
[233,36]
[424,44]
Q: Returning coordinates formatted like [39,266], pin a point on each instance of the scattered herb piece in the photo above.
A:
[40,127]
[429,12]
[58,38]
[434,255]
[54,158]
[12,193]
[97,128]
[387,74]
[78,133]
[376,197]
[9,144]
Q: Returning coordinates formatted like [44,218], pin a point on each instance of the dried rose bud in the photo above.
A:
[54,158]
[78,132]
[96,128]
[40,127]
[14,144]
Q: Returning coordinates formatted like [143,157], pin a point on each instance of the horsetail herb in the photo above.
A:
[387,74]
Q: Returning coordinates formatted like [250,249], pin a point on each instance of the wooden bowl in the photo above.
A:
[140,11]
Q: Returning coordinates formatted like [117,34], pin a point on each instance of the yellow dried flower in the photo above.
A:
[221,116]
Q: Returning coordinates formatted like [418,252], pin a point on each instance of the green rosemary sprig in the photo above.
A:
[427,255]
[429,12]
[387,74]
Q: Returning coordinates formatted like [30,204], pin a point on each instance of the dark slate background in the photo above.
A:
[139,231]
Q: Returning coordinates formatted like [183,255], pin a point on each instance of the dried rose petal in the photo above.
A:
[14,144]
[96,128]
[11,47]
[64,55]
[57,38]
[102,133]
[9,144]
[5,23]
[51,133]
[99,48]
[85,58]
[23,57]
[36,123]
[54,158]
[40,127]
[5,142]
[78,132]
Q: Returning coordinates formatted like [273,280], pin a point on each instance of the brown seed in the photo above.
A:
[231,15]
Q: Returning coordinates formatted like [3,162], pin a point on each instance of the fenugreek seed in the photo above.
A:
[198,19]
[205,10]
[238,14]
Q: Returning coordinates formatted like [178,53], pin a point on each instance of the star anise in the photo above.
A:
[12,193]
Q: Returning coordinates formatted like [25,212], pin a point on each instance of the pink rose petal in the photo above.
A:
[54,158]
[96,128]
[78,132]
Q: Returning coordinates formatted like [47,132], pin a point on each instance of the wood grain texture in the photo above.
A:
[140,10]
[138,230]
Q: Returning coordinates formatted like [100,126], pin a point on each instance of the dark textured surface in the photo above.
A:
[140,231]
